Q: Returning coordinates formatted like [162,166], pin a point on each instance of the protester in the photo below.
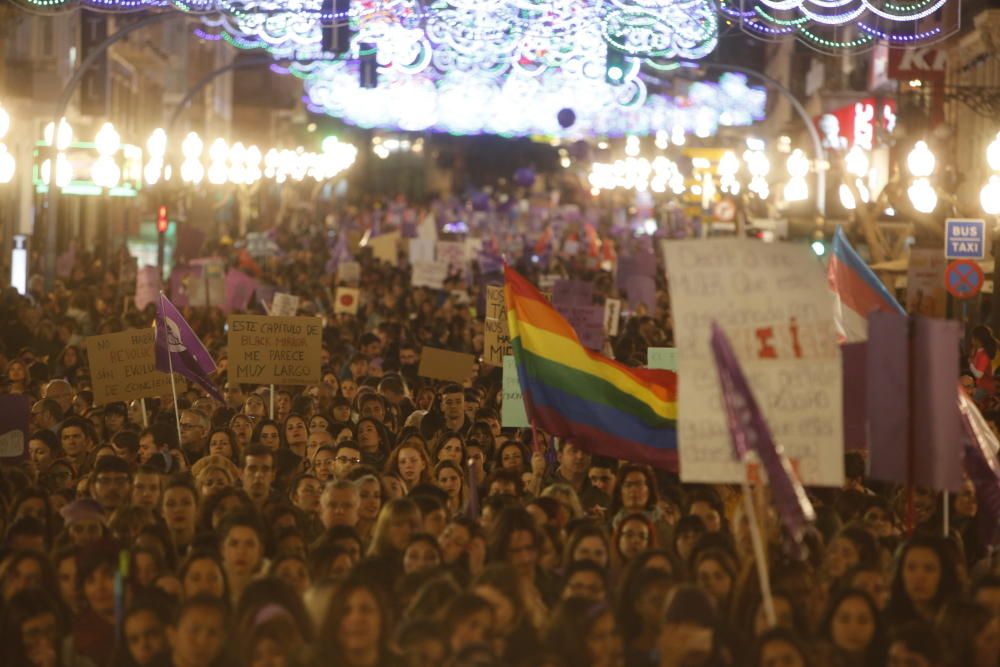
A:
[417,525]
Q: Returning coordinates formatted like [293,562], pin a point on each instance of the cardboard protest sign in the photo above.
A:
[512,412]
[773,301]
[14,419]
[210,289]
[429,274]
[664,358]
[385,247]
[239,290]
[496,336]
[284,305]
[641,290]
[349,273]
[347,300]
[275,350]
[147,286]
[445,365]
[421,250]
[612,313]
[123,367]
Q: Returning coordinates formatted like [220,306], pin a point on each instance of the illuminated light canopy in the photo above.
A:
[833,25]
[525,105]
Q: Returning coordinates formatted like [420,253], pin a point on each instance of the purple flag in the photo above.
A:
[933,459]
[749,432]
[178,348]
[983,468]
[641,289]
[239,290]
[572,293]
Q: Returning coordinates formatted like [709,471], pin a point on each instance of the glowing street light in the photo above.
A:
[921,160]
[921,163]
[7,165]
[106,172]
[796,189]
[63,137]
[989,196]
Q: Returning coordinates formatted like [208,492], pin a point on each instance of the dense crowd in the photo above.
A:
[379,518]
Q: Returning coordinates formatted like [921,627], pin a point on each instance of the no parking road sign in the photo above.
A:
[963,279]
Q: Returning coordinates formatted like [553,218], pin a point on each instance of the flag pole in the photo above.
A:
[946,508]
[272,401]
[758,549]
[173,382]
[145,415]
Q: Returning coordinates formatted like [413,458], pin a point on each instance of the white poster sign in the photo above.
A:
[773,302]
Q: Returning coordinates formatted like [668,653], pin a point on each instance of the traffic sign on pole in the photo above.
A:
[963,279]
[964,239]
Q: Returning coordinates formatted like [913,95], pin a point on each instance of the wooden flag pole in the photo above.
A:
[272,401]
[760,555]
[945,510]
[911,464]
[145,415]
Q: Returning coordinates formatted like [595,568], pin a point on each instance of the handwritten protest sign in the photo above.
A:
[664,358]
[512,412]
[773,302]
[496,336]
[346,301]
[284,305]
[451,253]
[421,250]
[385,247]
[210,288]
[445,365]
[147,286]
[123,367]
[275,350]
[612,313]
[429,274]
[349,273]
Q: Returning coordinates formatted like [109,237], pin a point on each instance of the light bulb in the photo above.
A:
[992,153]
[4,122]
[796,189]
[922,195]
[157,143]
[219,151]
[847,197]
[107,140]
[798,164]
[920,160]
[989,196]
[856,161]
[192,146]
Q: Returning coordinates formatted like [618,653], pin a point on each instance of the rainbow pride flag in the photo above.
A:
[598,404]
[857,291]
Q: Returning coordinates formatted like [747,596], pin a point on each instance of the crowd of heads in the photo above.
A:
[380,518]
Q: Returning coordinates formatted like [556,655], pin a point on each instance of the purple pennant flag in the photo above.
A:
[178,348]
[749,432]
[983,468]
[239,290]
[933,459]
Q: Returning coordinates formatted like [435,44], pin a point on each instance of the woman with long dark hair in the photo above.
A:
[926,577]
[356,629]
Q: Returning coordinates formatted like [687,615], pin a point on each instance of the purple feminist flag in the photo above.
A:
[749,432]
[982,468]
[179,350]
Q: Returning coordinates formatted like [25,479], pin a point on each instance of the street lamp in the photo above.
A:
[4,122]
[156,146]
[796,189]
[106,172]
[921,162]
[192,170]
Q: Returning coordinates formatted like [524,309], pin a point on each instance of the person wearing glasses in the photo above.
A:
[347,457]
[194,426]
[111,483]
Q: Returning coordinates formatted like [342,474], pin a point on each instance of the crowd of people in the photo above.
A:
[379,518]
